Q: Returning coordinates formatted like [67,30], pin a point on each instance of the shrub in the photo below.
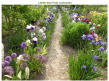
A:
[71,35]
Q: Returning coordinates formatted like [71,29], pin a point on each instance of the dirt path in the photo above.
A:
[57,65]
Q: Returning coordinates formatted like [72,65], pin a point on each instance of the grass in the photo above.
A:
[65,19]
[75,64]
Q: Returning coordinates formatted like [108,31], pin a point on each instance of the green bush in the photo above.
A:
[71,35]
[75,64]
[102,20]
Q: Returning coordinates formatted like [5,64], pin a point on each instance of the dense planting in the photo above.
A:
[32,47]
[88,34]
[27,33]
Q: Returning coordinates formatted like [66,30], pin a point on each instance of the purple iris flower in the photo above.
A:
[95,58]
[89,37]
[8,58]
[83,37]
[103,43]
[101,49]
[44,36]
[96,43]
[13,55]
[28,28]
[49,19]
[94,68]
[33,27]
[83,67]
[35,40]
[23,45]
[72,14]
[92,42]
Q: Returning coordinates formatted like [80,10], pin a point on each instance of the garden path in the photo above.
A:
[57,65]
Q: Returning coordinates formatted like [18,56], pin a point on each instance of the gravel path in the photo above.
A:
[57,65]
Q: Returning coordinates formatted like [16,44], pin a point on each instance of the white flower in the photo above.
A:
[28,41]
[41,31]
[34,39]
[75,16]
[28,26]
[19,59]
[93,28]
[90,22]
[19,74]
[27,73]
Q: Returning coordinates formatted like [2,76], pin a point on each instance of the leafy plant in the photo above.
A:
[71,35]
[75,67]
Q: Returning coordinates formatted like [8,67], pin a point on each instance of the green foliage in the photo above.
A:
[102,20]
[65,19]
[71,35]
[14,21]
[104,57]
[75,64]
[84,9]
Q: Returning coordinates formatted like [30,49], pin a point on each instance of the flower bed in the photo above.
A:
[92,48]
[34,48]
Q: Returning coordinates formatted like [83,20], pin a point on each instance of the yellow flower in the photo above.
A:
[93,13]
[82,16]
[98,38]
